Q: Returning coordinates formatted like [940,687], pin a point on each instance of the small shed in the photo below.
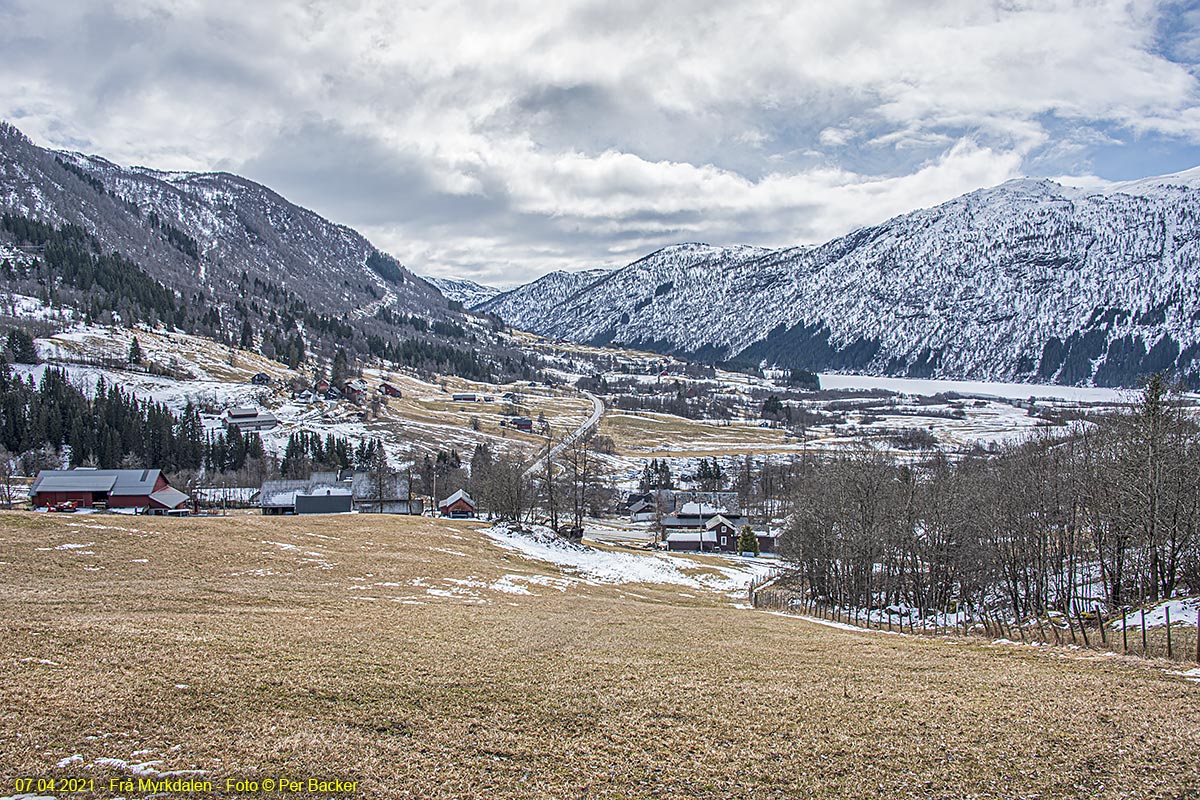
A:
[391,390]
[457,506]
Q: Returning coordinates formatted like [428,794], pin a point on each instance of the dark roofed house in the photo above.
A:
[261,379]
[145,490]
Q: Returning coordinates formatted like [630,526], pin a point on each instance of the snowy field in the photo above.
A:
[1008,391]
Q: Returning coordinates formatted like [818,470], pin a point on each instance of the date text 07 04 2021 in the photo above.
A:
[280,785]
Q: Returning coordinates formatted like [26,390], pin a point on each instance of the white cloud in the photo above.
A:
[501,139]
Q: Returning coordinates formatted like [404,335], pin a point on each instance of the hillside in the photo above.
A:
[469,293]
[532,307]
[1026,281]
[218,255]
[432,659]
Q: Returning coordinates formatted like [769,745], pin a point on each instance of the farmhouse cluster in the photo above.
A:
[699,521]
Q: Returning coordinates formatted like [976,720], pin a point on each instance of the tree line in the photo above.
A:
[1107,512]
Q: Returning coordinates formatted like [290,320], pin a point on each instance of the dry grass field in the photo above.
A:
[422,660]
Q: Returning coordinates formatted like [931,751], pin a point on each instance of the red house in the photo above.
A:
[390,390]
[458,506]
[147,490]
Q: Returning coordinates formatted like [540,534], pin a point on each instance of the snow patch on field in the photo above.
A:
[603,566]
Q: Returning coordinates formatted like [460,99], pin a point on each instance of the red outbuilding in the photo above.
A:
[147,490]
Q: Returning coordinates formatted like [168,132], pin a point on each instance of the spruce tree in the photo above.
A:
[135,352]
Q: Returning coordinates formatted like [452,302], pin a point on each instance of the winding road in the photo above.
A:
[589,424]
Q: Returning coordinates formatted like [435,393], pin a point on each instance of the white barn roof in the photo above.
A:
[454,498]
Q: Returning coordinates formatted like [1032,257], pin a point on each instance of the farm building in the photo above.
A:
[457,506]
[390,390]
[329,500]
[719,535]
[397,494]
[322,493]
[145,490]
[248,419]
[355,390]
[261,379]
[692,541]
[464,397]
[523,424]
[642,511]
[695,516]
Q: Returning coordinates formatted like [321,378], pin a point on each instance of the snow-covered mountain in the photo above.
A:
[532,307]
[214,233]
[467,292]
[1026,281]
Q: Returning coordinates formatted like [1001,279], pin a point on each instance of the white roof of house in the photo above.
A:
[454,498]
[692,536]
[719,519]
[697,510]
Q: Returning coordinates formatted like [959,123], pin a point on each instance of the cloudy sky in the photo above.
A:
[500,141]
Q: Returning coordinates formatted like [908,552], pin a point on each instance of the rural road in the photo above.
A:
[588,424]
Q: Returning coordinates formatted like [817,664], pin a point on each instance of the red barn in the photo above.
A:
[145,489]
[458,506]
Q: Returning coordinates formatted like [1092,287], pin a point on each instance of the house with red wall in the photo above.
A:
[145,490]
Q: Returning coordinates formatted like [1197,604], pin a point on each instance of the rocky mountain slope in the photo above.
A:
[1026,281]
[215,254]
[535,305]
[467,292]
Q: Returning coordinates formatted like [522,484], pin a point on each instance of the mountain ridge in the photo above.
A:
[1027,281]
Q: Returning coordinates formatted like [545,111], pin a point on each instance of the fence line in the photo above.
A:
[1047,630]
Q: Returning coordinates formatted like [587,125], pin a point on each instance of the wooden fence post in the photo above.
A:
[1100,616]
[1167,608]
[1143,632]
[1082,628]
[1125,628]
